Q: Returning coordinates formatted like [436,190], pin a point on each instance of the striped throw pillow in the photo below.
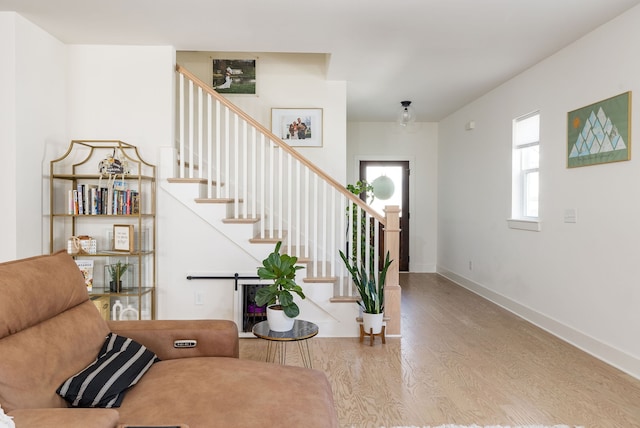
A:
[121,362]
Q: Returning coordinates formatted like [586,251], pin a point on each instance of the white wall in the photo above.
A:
[289,81]
[8,229]
[32,117]
[577,280]
[384,141]
[122,93]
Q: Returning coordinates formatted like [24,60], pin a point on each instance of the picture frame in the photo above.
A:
[600,132]
[123,238]
[234,76]
[298,127]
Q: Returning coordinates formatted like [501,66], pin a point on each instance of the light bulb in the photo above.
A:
[406,114]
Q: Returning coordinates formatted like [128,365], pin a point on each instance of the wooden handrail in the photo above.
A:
[277,140]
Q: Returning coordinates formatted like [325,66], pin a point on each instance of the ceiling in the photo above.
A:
[439,54]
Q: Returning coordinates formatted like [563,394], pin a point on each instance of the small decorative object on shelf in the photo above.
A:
[103,305]
[115,273]
[129,313]
[123,237]
[103,210]
[113,165]
[86,267]
[116,310]
[81,245]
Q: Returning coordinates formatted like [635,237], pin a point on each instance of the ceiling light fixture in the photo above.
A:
[406,114]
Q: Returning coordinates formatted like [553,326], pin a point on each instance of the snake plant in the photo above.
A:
[371,291]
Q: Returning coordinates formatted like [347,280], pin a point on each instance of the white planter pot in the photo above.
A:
[278,321]
[372,322]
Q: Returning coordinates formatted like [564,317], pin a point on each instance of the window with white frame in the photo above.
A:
[526,160]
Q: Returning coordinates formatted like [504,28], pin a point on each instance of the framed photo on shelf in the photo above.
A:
[123,237]
[234,76]
[298,127]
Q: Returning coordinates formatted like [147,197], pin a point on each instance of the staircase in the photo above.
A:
[256,190]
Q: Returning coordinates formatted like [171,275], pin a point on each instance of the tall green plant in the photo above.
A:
[281,268]
[361,188]
[371,292]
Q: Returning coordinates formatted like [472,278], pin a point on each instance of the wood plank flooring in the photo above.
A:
[463,360]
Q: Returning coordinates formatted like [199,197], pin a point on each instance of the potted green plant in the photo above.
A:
[362,189]
[278,297]
[116,270]
[371,291]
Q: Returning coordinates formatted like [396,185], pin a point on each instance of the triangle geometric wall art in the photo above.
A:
[600,132]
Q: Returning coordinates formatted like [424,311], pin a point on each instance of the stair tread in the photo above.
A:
[269,237]
[192,181]
[320,279]
[186,180]
[241,220]
[344,299]
[215,200]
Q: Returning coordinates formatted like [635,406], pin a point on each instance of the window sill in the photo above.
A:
[531,225]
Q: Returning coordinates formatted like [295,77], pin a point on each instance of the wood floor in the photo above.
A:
[463,360]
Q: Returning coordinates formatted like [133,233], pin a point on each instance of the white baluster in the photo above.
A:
[200,141]
[191,125]
[182,128]
[218,144]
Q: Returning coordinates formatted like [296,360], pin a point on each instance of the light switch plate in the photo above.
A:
[571,215]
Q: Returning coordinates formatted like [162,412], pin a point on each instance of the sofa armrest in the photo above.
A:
[214,338]
[65,417]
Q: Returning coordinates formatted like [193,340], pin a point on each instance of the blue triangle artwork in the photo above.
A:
[599,133]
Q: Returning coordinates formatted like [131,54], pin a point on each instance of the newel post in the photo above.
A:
[392,290]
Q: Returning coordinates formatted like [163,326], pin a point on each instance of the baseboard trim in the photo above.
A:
[422,268]
[610,355]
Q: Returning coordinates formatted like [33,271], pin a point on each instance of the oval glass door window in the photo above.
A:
[385,180]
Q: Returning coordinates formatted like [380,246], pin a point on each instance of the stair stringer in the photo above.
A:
[213,214]
[333,319]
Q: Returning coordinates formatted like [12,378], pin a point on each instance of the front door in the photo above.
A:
[392,189]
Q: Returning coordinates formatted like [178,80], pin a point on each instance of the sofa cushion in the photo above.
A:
[229,392]
[120,364]
[23,282]
[67,418]
[49,329]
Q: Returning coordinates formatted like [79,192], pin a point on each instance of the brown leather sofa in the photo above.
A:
[50,330]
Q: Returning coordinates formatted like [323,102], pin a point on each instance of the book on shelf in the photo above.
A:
[110,200]
[71,205]
[135,203]
[80,198]
[86,267]
[92,199]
